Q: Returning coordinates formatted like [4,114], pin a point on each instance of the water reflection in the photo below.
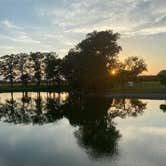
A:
[163,107]
[40,109]
[93,118]
[96,131]
[35,110]
[126,107]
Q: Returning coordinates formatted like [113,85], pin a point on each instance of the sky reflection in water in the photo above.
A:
[52,129]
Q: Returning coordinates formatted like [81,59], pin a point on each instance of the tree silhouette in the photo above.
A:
[37,65]
[86,66]
[24,68]
[8,67]
[134,66]
[52,68]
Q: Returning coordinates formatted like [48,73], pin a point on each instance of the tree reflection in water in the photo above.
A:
[27,110]
[96,130]
[126,107]
[94,117]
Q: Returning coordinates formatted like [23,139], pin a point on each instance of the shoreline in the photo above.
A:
[138,95]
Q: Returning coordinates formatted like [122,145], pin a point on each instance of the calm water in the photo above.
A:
[61,129]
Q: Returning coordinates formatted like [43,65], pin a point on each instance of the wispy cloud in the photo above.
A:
[7,49]
[125,16]
[8,24]
[19,37]
[59,25]
[24,38]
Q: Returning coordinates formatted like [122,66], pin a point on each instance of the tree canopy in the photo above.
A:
[92,64]
[131,68]
[87,64]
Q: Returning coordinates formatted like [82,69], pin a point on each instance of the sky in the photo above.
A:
[58,25]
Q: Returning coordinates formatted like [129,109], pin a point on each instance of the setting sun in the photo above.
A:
[82,82]
[113,72]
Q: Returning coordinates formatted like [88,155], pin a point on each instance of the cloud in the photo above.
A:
[19,37]
[62,24]
[126,16]
[7,49]
[9,24]
[25,39]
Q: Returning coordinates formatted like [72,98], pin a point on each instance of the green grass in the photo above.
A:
[149,85]
[142,87]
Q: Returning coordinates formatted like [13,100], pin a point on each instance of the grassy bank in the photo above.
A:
[31,88]
[141,87]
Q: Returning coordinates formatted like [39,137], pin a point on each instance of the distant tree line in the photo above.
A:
[30,67]
[147,78]
[91,64]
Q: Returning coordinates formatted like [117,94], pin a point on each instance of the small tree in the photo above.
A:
[162,77]
[129,70]
[8,67]
[134,66]
[23,68]
[37,66]
[52,67]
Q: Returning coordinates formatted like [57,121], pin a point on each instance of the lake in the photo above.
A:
[65,129]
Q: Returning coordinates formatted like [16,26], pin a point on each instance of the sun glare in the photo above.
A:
[113,72]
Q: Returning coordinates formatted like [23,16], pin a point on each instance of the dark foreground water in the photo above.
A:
[61,129]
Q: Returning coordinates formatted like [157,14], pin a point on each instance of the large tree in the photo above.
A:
[87,65]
